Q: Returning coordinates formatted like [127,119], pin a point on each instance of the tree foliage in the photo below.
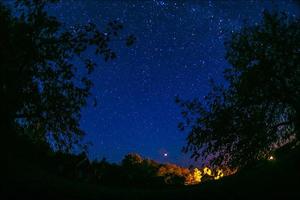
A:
[45,72]
[241,123]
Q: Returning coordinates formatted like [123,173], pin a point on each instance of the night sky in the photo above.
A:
[179,48]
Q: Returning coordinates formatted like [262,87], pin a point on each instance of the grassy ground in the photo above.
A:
[271,179]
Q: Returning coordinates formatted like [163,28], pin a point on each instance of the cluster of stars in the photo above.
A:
[179,48]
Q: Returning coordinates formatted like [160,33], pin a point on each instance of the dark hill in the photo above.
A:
[23,178]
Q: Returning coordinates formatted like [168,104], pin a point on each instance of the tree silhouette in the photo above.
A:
[42,88]
[131,160]
[241,123]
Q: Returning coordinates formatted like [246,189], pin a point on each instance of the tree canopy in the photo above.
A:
[42,88]
[259,110]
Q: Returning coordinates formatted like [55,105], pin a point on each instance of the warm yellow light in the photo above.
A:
[219,175]
[207,171]
[271,158]
[197,175]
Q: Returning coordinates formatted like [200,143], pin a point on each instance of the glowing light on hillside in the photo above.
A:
[219,175]
[165,154]
[207,171]
[271,158]
[195,177]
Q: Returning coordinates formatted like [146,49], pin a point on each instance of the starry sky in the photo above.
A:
[179,48]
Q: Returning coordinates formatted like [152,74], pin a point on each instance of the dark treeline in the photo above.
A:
[132,171]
